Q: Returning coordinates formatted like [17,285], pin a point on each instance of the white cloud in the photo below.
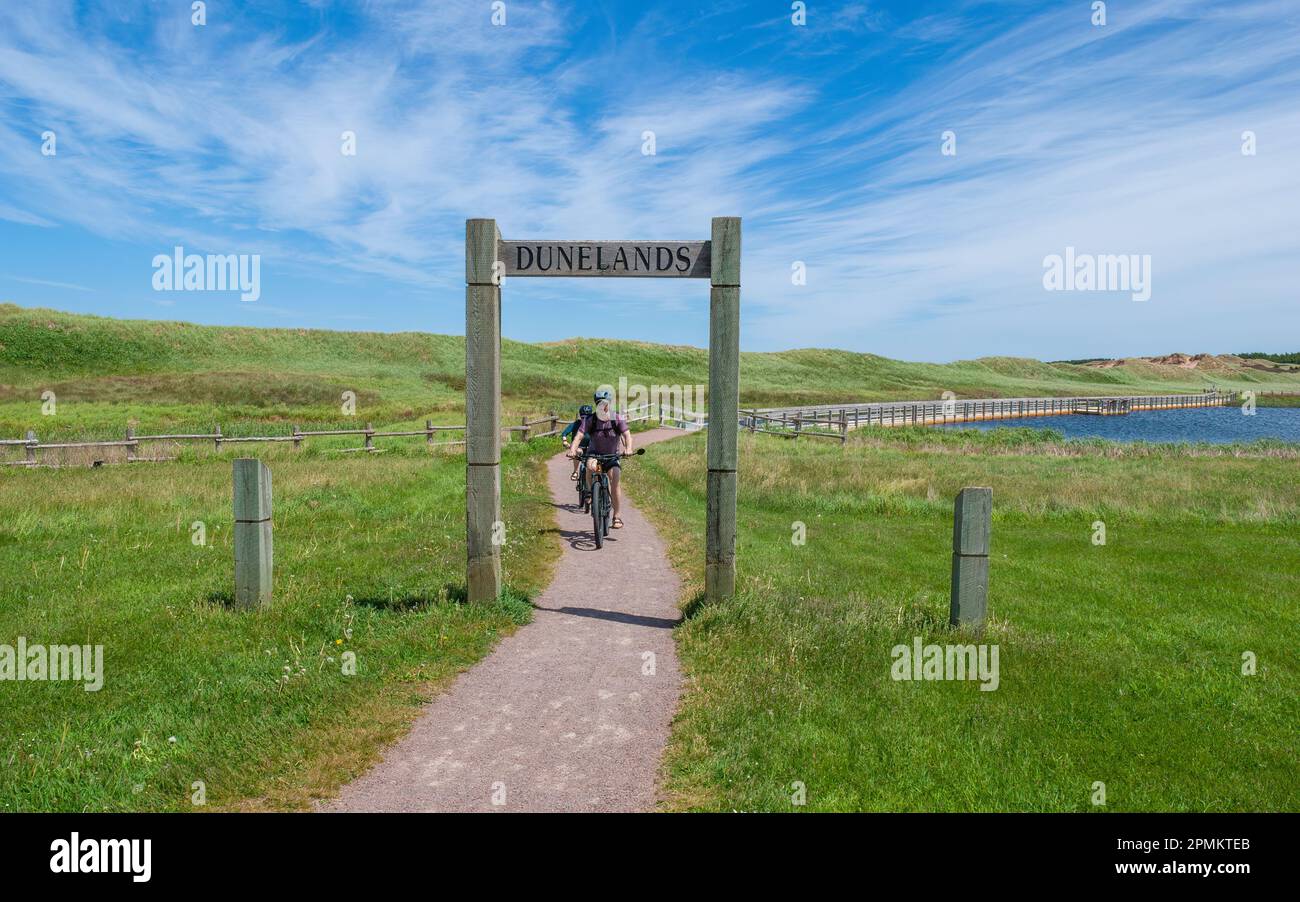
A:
[1123,139]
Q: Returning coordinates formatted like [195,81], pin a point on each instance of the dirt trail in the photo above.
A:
[571,713]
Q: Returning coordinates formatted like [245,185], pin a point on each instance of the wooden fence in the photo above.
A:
[525,431]
[831,421]
[835,420]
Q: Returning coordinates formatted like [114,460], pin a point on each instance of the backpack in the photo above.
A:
[595,424]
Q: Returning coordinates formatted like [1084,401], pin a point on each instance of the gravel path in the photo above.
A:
[571,713]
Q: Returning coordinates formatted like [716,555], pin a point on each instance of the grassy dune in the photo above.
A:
[1119,663]
[167,375]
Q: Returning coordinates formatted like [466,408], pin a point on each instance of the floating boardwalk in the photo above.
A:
[835,420]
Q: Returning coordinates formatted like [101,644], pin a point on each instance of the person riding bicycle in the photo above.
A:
[583,412]
[608,434]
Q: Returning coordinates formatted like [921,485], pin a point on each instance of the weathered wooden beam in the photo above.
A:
[253,555]
[971,529]
[482,410]
[724,406]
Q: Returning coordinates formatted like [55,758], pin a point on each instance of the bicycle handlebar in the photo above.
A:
[586,454]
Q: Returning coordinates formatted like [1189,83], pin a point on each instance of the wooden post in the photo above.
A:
[555,421]
[972,524]
[370,437]
[297,438]
[521,435]
[724,405]
[30,447]
[253,564]
[133,447]
[216,436]
[428,432]
[482,410]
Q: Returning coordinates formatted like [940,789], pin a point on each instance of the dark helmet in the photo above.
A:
[585,410]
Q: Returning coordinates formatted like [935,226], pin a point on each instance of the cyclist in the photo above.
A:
[608,434]
[583,412]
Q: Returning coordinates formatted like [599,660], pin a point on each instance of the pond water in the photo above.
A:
[1218,425]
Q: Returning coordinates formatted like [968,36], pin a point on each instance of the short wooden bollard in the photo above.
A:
[972,525]
[253,564]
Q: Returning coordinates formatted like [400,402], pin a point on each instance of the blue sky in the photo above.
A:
[826,138]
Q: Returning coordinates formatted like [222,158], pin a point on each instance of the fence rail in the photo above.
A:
[828,421]
[523,432]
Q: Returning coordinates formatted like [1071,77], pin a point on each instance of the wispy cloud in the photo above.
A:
[49,284]
[1120,139]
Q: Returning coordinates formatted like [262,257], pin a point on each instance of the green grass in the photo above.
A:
[159,376]
[369,558]
[1118,663]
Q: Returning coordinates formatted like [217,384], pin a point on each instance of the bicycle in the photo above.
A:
[584,493]
[600,503]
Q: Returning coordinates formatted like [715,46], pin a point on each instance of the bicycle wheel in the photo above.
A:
[608,498]
[596,501]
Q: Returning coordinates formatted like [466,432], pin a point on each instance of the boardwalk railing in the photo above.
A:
[526,431]
[835,420]
[829,421]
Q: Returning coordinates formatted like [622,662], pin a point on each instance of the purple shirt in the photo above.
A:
[604,433]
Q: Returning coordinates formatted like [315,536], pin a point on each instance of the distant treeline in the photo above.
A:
[1276,358]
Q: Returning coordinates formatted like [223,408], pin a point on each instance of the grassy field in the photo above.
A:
[162,376]
[369,560]
[1119,664]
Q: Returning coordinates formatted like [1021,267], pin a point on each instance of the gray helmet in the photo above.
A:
[602,395]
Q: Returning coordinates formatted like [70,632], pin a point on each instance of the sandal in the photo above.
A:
[573,476]
[618,523]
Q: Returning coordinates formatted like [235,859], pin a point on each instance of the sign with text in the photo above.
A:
[652,259]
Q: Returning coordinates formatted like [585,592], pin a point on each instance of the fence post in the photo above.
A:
[297,438]
[216,437]
[370,437]
[30,448]
[253,562]
[482,411]
[428,432]
[972,524]
[844,426]
[521,435]
[724,403]
[555,421]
